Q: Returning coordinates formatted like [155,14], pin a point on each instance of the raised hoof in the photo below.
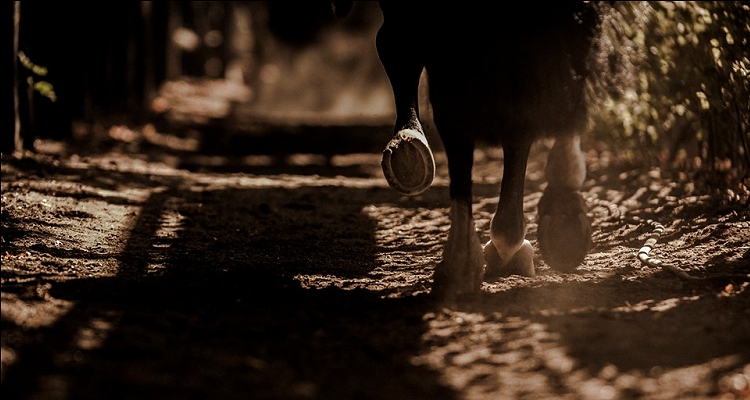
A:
[522,263]
[564,229]
[408,164]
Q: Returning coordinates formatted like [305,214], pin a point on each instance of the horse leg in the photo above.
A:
[408,164]
[508,252]
[461,270]
[564,229]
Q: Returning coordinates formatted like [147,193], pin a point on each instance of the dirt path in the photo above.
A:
[127,276]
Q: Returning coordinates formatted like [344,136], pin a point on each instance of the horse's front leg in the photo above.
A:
[461,270]
[408,164]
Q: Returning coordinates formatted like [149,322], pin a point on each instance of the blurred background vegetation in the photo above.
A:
[671,86]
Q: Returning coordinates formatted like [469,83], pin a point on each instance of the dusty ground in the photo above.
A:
[131,271]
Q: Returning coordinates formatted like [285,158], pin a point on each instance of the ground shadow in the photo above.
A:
[634,325]
[206,305]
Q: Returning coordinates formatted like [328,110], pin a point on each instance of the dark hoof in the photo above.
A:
[408,164]
[564,229]
[447,287]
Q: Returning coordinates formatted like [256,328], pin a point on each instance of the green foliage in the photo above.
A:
[42,87]
[672,81]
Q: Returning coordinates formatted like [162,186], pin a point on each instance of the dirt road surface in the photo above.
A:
[129,272]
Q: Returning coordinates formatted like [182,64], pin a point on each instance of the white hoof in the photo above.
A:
[521,263]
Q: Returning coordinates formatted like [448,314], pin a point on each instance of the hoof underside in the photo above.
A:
[408,164]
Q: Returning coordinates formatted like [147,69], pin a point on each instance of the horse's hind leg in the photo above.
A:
[508,252]
[564,229]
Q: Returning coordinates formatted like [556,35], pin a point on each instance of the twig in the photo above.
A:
[647,260]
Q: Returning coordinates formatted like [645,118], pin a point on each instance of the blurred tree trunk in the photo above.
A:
[102,60]
[155,15]
[11,141]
